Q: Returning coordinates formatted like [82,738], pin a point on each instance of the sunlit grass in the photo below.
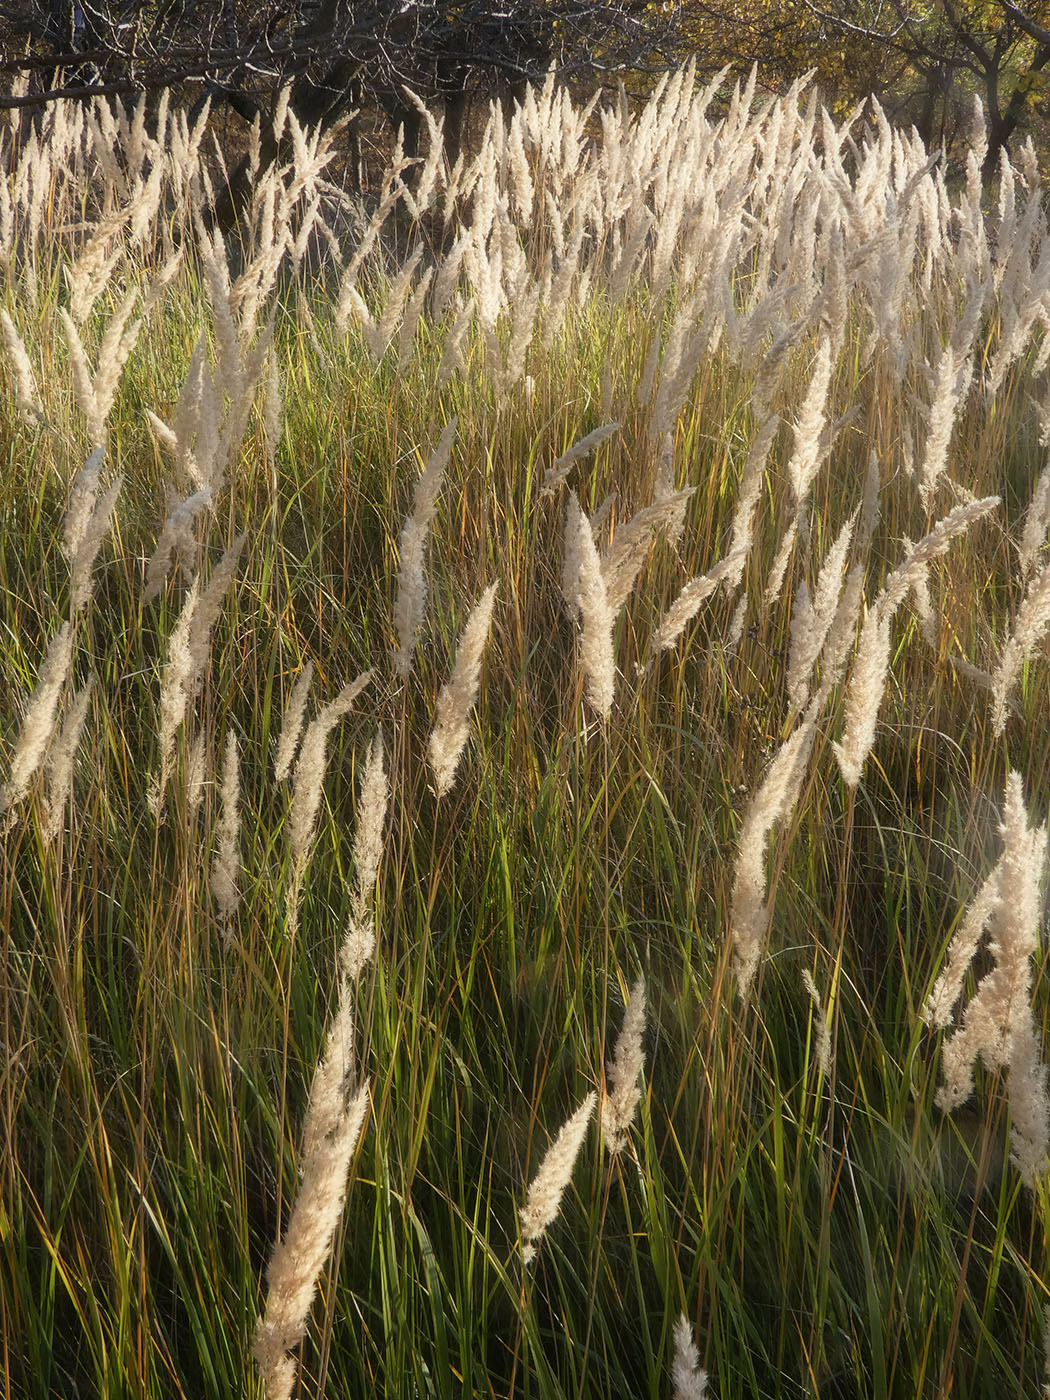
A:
[825,1229]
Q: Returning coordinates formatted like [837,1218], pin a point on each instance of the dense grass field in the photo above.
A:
[692,784]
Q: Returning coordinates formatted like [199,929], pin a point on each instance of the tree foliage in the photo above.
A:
[924,59]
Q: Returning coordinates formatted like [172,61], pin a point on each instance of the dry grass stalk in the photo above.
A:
[331,1136]
[273,408]
[811,619]
[88,277]
[823,1046]
[688,603]
[772,805]
[226,866]
[962,951]
[27,397]
[60,760]
[869,507]
[735,630]
[748,496]
[778,568]
[175,689]
[95,393]
[227,334]
[410,606]
[378,334]
[543,1200]
[118,341]
[1033,618]
[359,938]
[687,1378]
[368,838]
[1036,523]
[871,666]
[585,589]
[454,703]
[176,540]
[193,439]
[997,1025]
[629,548]
[899,583]
[82,500]
[187,657]
[628,1063]
[292,724]
[84,537]
[309,782]
[196,766]
[39,724]
[950,382]
[453,360]
[343,703]
[570,558]
[808,450]
[306,793]
[841,633]
[583,448]
[864,695]
[922,604]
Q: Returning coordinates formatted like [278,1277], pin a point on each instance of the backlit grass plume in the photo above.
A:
[188,653]
[997,1024]
[1033,618]
[628,1063]
[308,784]
[543,1200]
[452,724]
[27,397]
[359,938]
[225,870]
[334,1119]
[584,587]
[410,607]
[292,724]
[689,1381]
[39,722]
[60,757]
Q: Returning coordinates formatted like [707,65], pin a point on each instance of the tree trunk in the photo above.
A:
[1008,122]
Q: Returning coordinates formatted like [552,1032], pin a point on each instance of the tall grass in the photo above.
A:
[735,421]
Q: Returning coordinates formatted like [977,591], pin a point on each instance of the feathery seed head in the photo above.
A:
[451,726]
[628,1063]
[543,1200]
